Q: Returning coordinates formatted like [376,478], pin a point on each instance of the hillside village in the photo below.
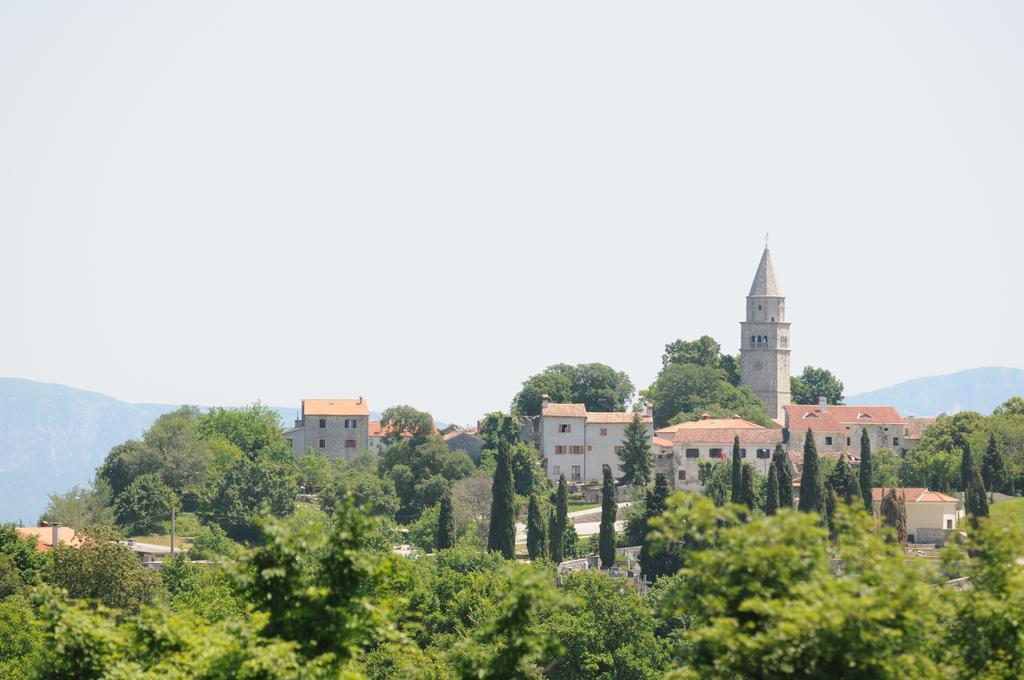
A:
[592,494]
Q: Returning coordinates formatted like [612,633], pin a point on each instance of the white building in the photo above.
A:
[577,443]
[931,516]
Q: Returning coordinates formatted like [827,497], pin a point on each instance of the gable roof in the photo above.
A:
[565,410]
[765,284]
[375,430]
[708,423]
[662,442]
[913,495]
[335,407]
[800,417]
[580,411]
[725,436]
[44,536]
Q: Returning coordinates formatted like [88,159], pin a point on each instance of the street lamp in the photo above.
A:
[78,522]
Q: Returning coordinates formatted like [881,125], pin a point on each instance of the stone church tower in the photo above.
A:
[764,340]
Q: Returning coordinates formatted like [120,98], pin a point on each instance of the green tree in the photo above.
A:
[685,391]
[893,511]
[976,499]
[21,639]
[866,471]
[559,521]
[771,504]
[536,532]
[606,535]
[747,496]
[25,558]
[253,429]
[314,471]
[145,504]
[125,462]
[421,472]
[736,493]
[993,469]
[635,456]
[254,486]
[445,523]
[525,460]
[843,482]
[597,386]
[655,560]
[81,506]
[502,535]
[810,479]
[966,465]
[780,459]
[399,420]
[814,383]
[704,351]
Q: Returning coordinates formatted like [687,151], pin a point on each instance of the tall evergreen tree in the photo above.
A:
[993,468]
[536,531]
[829,512]
[966,466]
[866,468]
[781,460]
[843,482]
[652,563]
[810,479]
[635,456]
[502,535]
[606,536]
[559,521]
[771,502]
[894,513]
[976,499]
[445,537]
[737,472]
[747,487]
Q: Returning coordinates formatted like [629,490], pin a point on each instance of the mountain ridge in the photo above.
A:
[974,389]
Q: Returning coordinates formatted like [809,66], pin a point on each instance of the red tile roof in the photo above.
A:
[580,411]
[335,407]
[707,422]
[913,495]
[724,436]
[802,417]
[44,536]
[565,410]
[375,430]
[662,442]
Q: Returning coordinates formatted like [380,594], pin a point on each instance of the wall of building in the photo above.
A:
[334,434]
[550,437]
[690,480]
[881,436]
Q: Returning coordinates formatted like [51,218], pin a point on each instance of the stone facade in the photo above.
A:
[338,428]
[765,341]
[711,440]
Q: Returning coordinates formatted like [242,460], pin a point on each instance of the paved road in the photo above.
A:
[588,528]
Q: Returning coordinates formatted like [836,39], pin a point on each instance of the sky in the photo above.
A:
[425,203]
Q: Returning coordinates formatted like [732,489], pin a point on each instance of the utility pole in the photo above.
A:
[172,531]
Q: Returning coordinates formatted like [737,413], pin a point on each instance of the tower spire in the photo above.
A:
[765,283]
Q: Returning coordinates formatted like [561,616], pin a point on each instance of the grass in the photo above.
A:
[575,507]
[1011,511]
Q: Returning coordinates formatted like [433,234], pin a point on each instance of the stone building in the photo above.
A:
[764,340]
[578,443]
[837,428]
[338,428]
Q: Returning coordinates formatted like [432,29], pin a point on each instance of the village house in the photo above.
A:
[837,428]
[50,535]
[931,516]
[578,443]
[464,440]
[711,440]
[338,428]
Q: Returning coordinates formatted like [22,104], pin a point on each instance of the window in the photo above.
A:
[895,441]
[604,431]
[350,423]
[949,524]
[847,441]
[743,453]
[763,453]
[715,453]
[589,447]
[350,443]
[559,449]
[564,427]
[693,453]
[828,441]
[576,473]
[682,475]
[323,423]
[323,443]
[575,449]
[556,470]
[618,449]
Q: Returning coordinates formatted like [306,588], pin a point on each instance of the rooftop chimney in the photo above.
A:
[544,401]
[360,399]
[822,404]
[649,410]
[56,534]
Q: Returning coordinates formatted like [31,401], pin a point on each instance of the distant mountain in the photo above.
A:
[53,437]
[976,389]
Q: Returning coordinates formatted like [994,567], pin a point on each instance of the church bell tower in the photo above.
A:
[764,340]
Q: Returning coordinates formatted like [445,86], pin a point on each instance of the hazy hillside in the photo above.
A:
[53,437]
[977,389]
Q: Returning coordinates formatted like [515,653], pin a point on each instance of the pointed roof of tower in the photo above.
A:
[764,284]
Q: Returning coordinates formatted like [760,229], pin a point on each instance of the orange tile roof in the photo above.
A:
[335,407]
[44,536]
[801,417]
[615,417]
[914,495]
[662,442]
[565,410]
[711,423]
[725,436]
[376,430]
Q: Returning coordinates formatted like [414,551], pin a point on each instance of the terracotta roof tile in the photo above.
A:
[44,536]
[750,437]
[335,407]
[662,442]
[802,417]
[710,423]
[565,410]
[913,495]
[615,417]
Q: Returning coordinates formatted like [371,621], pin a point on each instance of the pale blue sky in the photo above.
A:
[426,202]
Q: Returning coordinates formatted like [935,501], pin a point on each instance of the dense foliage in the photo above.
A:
[599,387]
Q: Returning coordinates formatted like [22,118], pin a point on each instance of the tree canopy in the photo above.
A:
[814,383]
[599,387]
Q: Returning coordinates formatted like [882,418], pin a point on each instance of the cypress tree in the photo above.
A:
[502,535]
[976,500]
[842,481]
[781,460]
[445,536]
[536,532]
[771,503]
[606,536]
[866,470]
[559,520]
[966,467]
[829,513]
[635,455]
[737,473]
[993,468]
[894,514]
[747,487]
[654,563]
[810,482]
